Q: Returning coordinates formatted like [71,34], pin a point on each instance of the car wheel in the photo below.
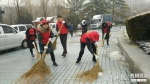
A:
[24,44]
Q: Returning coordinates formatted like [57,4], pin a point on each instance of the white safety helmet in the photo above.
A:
[83,22]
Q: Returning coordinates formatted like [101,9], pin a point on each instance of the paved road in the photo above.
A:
[15,62]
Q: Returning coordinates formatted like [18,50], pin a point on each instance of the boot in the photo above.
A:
[64,53]
[32,55]
[55,64]
[77,61]
[107,41]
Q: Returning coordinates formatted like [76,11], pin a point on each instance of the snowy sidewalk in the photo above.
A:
[115,69]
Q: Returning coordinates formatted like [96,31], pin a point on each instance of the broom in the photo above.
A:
[55,41]
[92,74]
[40,68]
[102,44]
[37,54]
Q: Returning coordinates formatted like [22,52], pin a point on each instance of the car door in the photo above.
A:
[29,26]
[2,42]
[53,26]
[12,39]
[22,29]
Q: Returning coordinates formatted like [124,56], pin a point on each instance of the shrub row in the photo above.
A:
[138,26]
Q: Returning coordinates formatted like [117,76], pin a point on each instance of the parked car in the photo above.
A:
[53,26]
[22,27]
[28,26]
[79,26]
[19,28]
[10,38]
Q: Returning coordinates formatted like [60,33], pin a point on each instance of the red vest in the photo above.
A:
[64,30]
[105,30]
[86,35]
[32,37]
[45,36]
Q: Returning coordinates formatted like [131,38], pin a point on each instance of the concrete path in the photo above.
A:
[16,62]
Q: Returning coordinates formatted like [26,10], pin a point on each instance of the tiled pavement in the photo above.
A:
[16,62]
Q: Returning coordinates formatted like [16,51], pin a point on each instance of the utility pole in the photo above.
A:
[113,10]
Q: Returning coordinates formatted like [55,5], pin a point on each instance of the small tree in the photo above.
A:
[119,7]
[25,16]
[44,7]
[75,7]
[17,7]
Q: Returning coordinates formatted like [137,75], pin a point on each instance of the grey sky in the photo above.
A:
[147,0]
[5,2]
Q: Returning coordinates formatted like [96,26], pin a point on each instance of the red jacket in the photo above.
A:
[64,29]
[45,36]
[92,35]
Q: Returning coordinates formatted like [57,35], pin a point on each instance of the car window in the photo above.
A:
[7,29]
[22,28]
[29,26]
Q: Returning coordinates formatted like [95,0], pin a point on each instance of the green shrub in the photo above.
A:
[138,27]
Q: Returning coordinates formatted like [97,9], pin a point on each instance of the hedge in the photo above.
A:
[138,26]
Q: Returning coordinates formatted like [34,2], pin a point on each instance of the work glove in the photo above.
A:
[33,43]
[45,47]
[63,22]
[95,44]
[58,32]
[49,39]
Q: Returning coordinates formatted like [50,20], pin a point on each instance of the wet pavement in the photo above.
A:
[14,63]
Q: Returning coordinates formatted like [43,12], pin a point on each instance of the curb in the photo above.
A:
[139,61]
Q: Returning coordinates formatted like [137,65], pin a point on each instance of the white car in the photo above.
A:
[10,38]
[53,26]
[22,27]
[79,27]
[28,26]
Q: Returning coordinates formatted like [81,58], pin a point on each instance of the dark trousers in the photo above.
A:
[63,39]
[31,51]
[31,46]
[82,46]
[52,56]
[71,32]
[83,32]
[106,37]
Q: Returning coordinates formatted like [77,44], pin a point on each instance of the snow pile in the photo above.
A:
[117,55]
[125,34]
[145,45]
